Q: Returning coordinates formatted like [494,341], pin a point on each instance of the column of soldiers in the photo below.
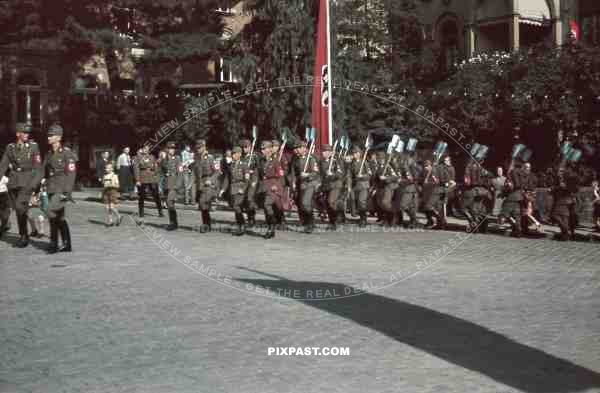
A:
[391,185]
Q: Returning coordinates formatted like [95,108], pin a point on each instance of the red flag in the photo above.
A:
[574,29]
[320,99]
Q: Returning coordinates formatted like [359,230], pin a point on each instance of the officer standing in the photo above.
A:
[146,177]
[60,170]
[206,182]
[360,178]
[23,160]
[172,170]
[332,182]
[236,180]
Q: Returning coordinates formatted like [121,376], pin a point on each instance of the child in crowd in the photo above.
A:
[110,195]
[38,213]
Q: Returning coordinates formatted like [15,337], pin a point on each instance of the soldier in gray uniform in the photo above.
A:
[172,168]
[305,183]
[408,196]
[251,164]
[360,184]
[445,175]
[237,181]
[388,180]
[206,182]
[145,170]
[59,170]
[477,196]
[512,208]
[332,182]
[563,209]
[22,160]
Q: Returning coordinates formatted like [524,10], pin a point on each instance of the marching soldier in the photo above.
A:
[305,182]
[332,182]
[407,192]
[360,178]
[285,164]
[145,170]
[271,188]
[237,181]
[23,160]
[512,208]
[172,168]
[477,196]
[388,184]
[59,171]
[205,177]
[445,175]
[251,163]
[563,209]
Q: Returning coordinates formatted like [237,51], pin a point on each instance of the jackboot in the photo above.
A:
[251,218]
[206,225]
[241,228]
[53,248]
[271,228]
[65,234]
[172,220]
[24,237]
[362,221]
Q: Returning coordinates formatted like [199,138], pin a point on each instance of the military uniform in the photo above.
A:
[445,175]
[388,180]
[205,176]
[407,193]
[237,181]
[512,208]
[172,169]
[428,183]
[145,171]
[250,164]
[305,184]
[23,161]
[477,196]
[563,209]
[360,186]
[332,184]
[59,169]
[271,189]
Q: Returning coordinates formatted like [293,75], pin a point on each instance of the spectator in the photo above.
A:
[125,172]
[100,164]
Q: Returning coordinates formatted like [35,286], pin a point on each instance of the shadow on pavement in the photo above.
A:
[453,339]
[34,242]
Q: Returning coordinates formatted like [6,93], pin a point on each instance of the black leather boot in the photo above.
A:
[172,220]
[53,248]
[24,237]
[141,208]
[271,227]
[205,221]
[362,222]
[65,234]
[241,227]
[251,218]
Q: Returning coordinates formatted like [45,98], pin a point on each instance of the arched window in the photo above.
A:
[449,39]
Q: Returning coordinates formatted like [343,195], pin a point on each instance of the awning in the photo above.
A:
[534,12]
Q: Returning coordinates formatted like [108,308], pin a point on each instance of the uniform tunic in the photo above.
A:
[360,184]
[206,182]
[172,169]
[305,184]
[332,182]
[60,169]
[24,161]
[237,181]
[477,196]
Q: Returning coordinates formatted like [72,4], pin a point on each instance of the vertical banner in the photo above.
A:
[320,96]
[574,31]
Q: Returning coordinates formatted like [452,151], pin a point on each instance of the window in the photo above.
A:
[28,99]
[226,7]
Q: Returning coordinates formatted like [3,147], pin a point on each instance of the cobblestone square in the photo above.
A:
[140,309]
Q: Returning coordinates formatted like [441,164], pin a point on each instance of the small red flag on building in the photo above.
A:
[574,30]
